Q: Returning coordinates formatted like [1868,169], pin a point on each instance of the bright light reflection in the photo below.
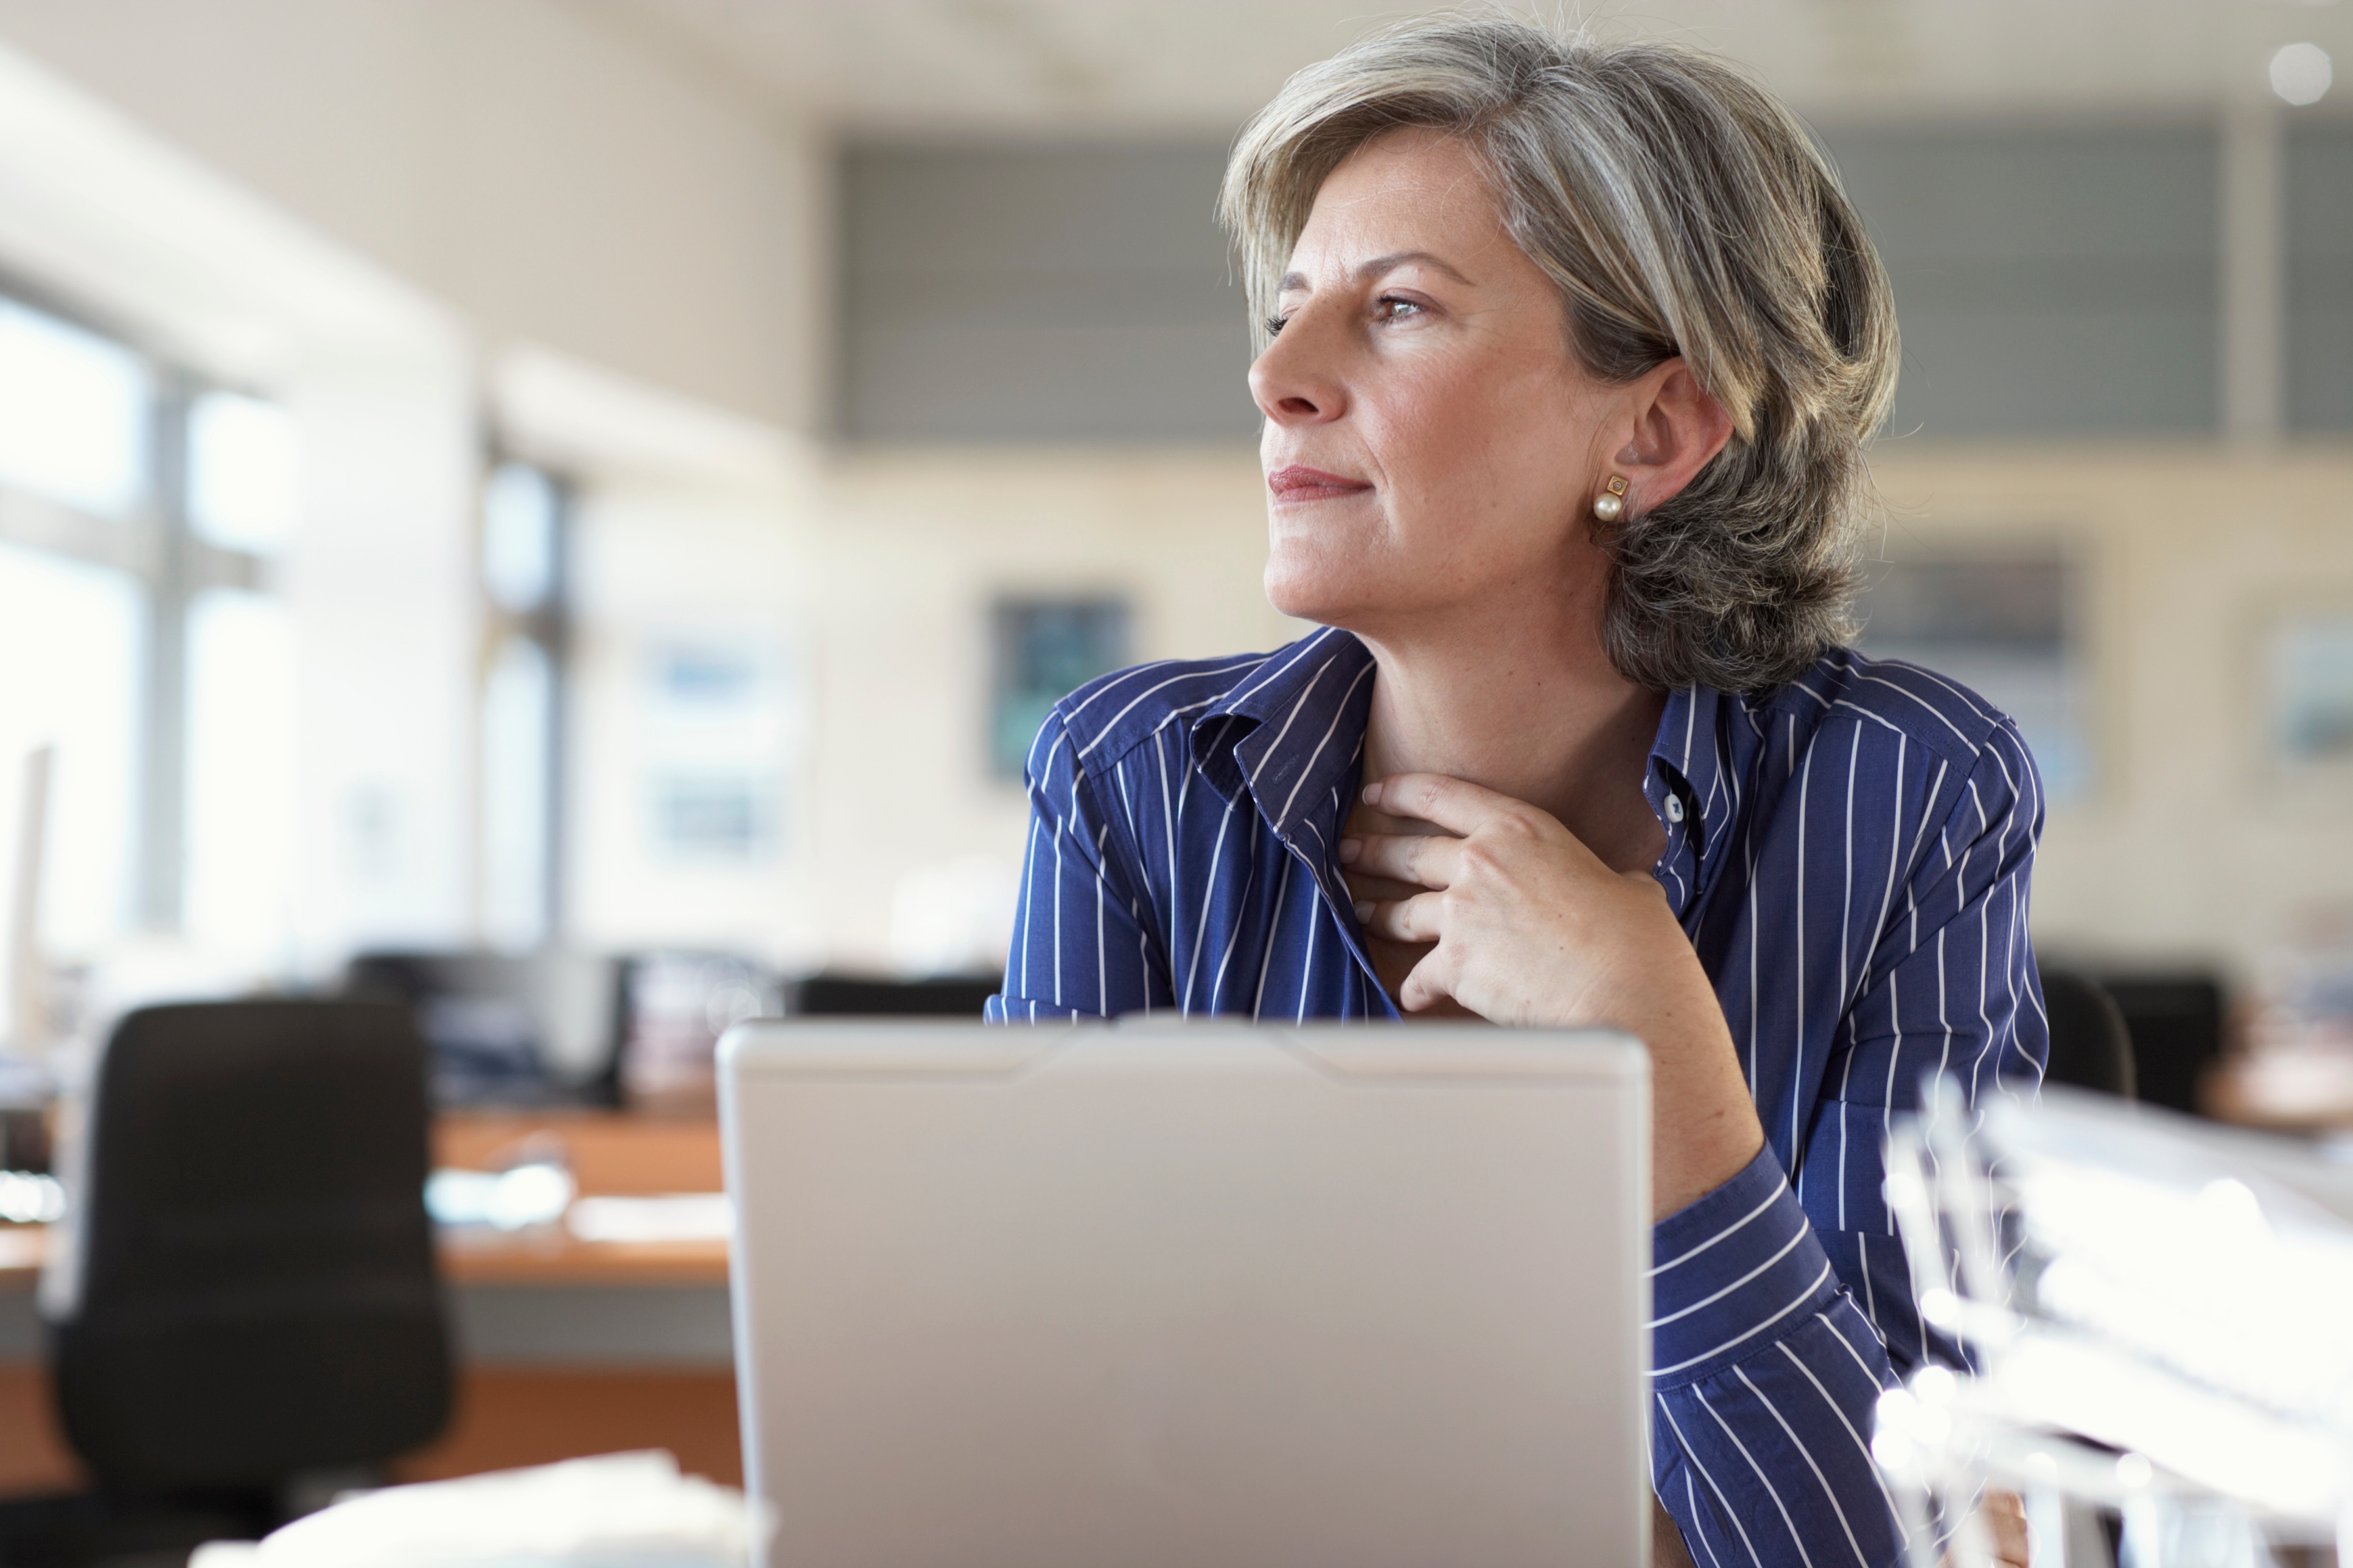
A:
[2301,73]
[73,412]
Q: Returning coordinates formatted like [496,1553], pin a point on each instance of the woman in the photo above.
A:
[1569,356]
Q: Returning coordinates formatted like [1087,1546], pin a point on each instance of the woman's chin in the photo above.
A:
[1315,591]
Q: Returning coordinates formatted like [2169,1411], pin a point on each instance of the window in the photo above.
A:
[139,514]
[84,627]
[523,528]
[73,414]
[244,473]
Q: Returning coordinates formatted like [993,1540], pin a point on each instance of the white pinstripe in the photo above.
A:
[1732,1229]
[1804,1230]
[1108,730]
[1208,902]
[1806,1453]
[1772,1321]
[1731,1515]
[1862,1448]
[1691,1500]
[1771,1490]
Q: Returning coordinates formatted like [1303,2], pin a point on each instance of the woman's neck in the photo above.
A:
[1536,712]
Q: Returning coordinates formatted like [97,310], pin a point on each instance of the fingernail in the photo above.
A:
[1349,850]
[1363,911]
[1372,795]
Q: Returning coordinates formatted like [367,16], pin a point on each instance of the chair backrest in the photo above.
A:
[258,1294]
[2176,1020]
[2090,1046]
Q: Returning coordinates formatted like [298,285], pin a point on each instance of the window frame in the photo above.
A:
[155,544]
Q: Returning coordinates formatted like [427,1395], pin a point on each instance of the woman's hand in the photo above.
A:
[1531,928]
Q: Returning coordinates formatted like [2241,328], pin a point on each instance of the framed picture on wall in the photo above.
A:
[1040,649]
[2004,620]
[713,731]
[2307,664]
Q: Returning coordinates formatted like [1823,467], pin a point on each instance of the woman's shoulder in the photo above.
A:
[1112,715]
[1893,698]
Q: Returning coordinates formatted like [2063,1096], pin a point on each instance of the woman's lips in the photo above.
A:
[1299,483]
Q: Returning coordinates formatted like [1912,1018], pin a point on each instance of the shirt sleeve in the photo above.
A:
[1083,940]
[1778,1319]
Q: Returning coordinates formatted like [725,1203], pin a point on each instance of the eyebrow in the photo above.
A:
[1379,265]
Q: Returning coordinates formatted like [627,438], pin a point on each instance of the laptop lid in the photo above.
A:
[1190,1295]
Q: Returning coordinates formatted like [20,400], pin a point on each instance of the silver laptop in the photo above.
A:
[1205,1296]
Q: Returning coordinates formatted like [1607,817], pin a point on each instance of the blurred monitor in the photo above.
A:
[507,1029]
[873,996]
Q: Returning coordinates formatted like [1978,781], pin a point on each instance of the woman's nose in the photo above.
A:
[1292,381]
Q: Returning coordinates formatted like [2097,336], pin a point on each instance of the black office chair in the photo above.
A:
[2090,1047]
[2176,1023]
[258,1299]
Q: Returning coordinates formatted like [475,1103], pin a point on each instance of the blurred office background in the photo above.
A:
[616,482]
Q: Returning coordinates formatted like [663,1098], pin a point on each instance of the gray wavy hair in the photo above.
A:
[1681,210]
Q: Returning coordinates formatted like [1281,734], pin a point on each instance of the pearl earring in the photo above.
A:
[1611,504]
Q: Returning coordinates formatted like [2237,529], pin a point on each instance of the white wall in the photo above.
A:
[873,577]
[2192,844]
[552,175]
[914,549]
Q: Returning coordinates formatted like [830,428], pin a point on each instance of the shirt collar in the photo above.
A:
[1703,749]
[1301,714]
[1304,713]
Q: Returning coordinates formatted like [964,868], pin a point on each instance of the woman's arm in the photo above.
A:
[1082,939]
[1782,1422]
[1774,1317]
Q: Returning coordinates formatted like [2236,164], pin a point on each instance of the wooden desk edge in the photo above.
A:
[522,1261]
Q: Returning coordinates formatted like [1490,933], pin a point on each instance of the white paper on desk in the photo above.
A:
[617,1510]
[675,1216]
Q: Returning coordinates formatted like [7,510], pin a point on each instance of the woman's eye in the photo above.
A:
[1392,308]
[1273,325]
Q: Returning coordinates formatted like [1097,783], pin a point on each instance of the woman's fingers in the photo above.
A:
[1458,805]
[2004,1513]
[1429,859]
[1403,919]
[1429,982]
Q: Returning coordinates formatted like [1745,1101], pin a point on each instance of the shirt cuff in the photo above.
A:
[1728,1269]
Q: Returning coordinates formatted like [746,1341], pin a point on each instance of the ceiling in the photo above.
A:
[1161,66]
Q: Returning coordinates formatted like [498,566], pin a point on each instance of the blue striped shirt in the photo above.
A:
[1850,856]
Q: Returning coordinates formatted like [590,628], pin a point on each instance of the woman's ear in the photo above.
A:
[1676,428]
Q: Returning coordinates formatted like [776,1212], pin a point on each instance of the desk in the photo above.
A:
[566,1347]
[506,1260]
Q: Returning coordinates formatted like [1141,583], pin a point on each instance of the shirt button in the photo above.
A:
[1675,808]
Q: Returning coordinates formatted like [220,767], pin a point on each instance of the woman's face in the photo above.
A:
[1430,441]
